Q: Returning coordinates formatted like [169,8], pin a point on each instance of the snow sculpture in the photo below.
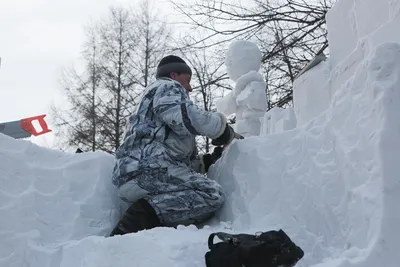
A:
[277,120]
[248,99]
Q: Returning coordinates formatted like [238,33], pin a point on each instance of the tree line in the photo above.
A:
[122,50]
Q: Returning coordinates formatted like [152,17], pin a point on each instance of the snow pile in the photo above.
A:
[56,209]
[48,198]
[332,182]
[248,99]
[180,247]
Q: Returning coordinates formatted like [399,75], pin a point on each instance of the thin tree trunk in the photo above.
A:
[119,82]
[147,53]
[94,99]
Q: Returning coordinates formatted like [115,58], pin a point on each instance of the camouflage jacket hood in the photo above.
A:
[161,132]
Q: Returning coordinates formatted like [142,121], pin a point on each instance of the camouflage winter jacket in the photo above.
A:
[161,132]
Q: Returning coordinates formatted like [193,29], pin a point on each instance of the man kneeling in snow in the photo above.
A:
[158,171]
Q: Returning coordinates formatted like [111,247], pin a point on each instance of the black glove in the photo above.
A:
[210,159]
[226,137]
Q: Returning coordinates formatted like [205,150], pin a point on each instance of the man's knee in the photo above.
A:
[131,191]
[214,202]
[217,199]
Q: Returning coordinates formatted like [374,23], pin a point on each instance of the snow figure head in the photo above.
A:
[241,58]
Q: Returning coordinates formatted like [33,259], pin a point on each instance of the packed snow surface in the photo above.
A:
[331,183]
[47,198]
[311,93]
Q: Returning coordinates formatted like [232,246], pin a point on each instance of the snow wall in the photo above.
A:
[331,183]
[48,198]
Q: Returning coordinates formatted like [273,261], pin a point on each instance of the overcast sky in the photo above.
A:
[37,39]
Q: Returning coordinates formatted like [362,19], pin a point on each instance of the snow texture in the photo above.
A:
[311,93]
[288,122]
[277,120]
[248,99]
[332,183]
[48,198]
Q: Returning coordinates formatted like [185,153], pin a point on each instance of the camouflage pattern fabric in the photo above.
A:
[158,159]
[188,199]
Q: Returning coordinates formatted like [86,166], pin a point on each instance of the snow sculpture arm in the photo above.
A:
[244,80]
[227,105]
[253,96]
[172,106]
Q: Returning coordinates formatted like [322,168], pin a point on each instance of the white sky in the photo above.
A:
[37,39]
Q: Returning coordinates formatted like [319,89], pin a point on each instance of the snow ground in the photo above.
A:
[332,183]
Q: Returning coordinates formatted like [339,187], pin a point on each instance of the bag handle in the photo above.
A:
[221,235]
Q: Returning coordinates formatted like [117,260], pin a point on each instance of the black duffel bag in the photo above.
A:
[267,249]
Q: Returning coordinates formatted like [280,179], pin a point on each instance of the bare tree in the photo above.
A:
[119,62]
[153,37]
[77,124]
[288,32]
[94,79]
[134,47]
[119,95]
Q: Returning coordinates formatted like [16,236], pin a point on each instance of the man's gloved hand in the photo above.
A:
[227,137]
[210,159]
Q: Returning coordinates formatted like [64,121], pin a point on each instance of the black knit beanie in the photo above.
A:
[172,64]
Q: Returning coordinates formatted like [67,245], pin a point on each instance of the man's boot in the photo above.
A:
[139,216]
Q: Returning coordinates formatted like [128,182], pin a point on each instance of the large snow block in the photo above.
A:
[288,122]
[348,22]
[387,32]
[332,183]
[394,7]
[342,30]
[49,197]
[382,30]
[370,15]
[311,93]
[277,120]
[269,120]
